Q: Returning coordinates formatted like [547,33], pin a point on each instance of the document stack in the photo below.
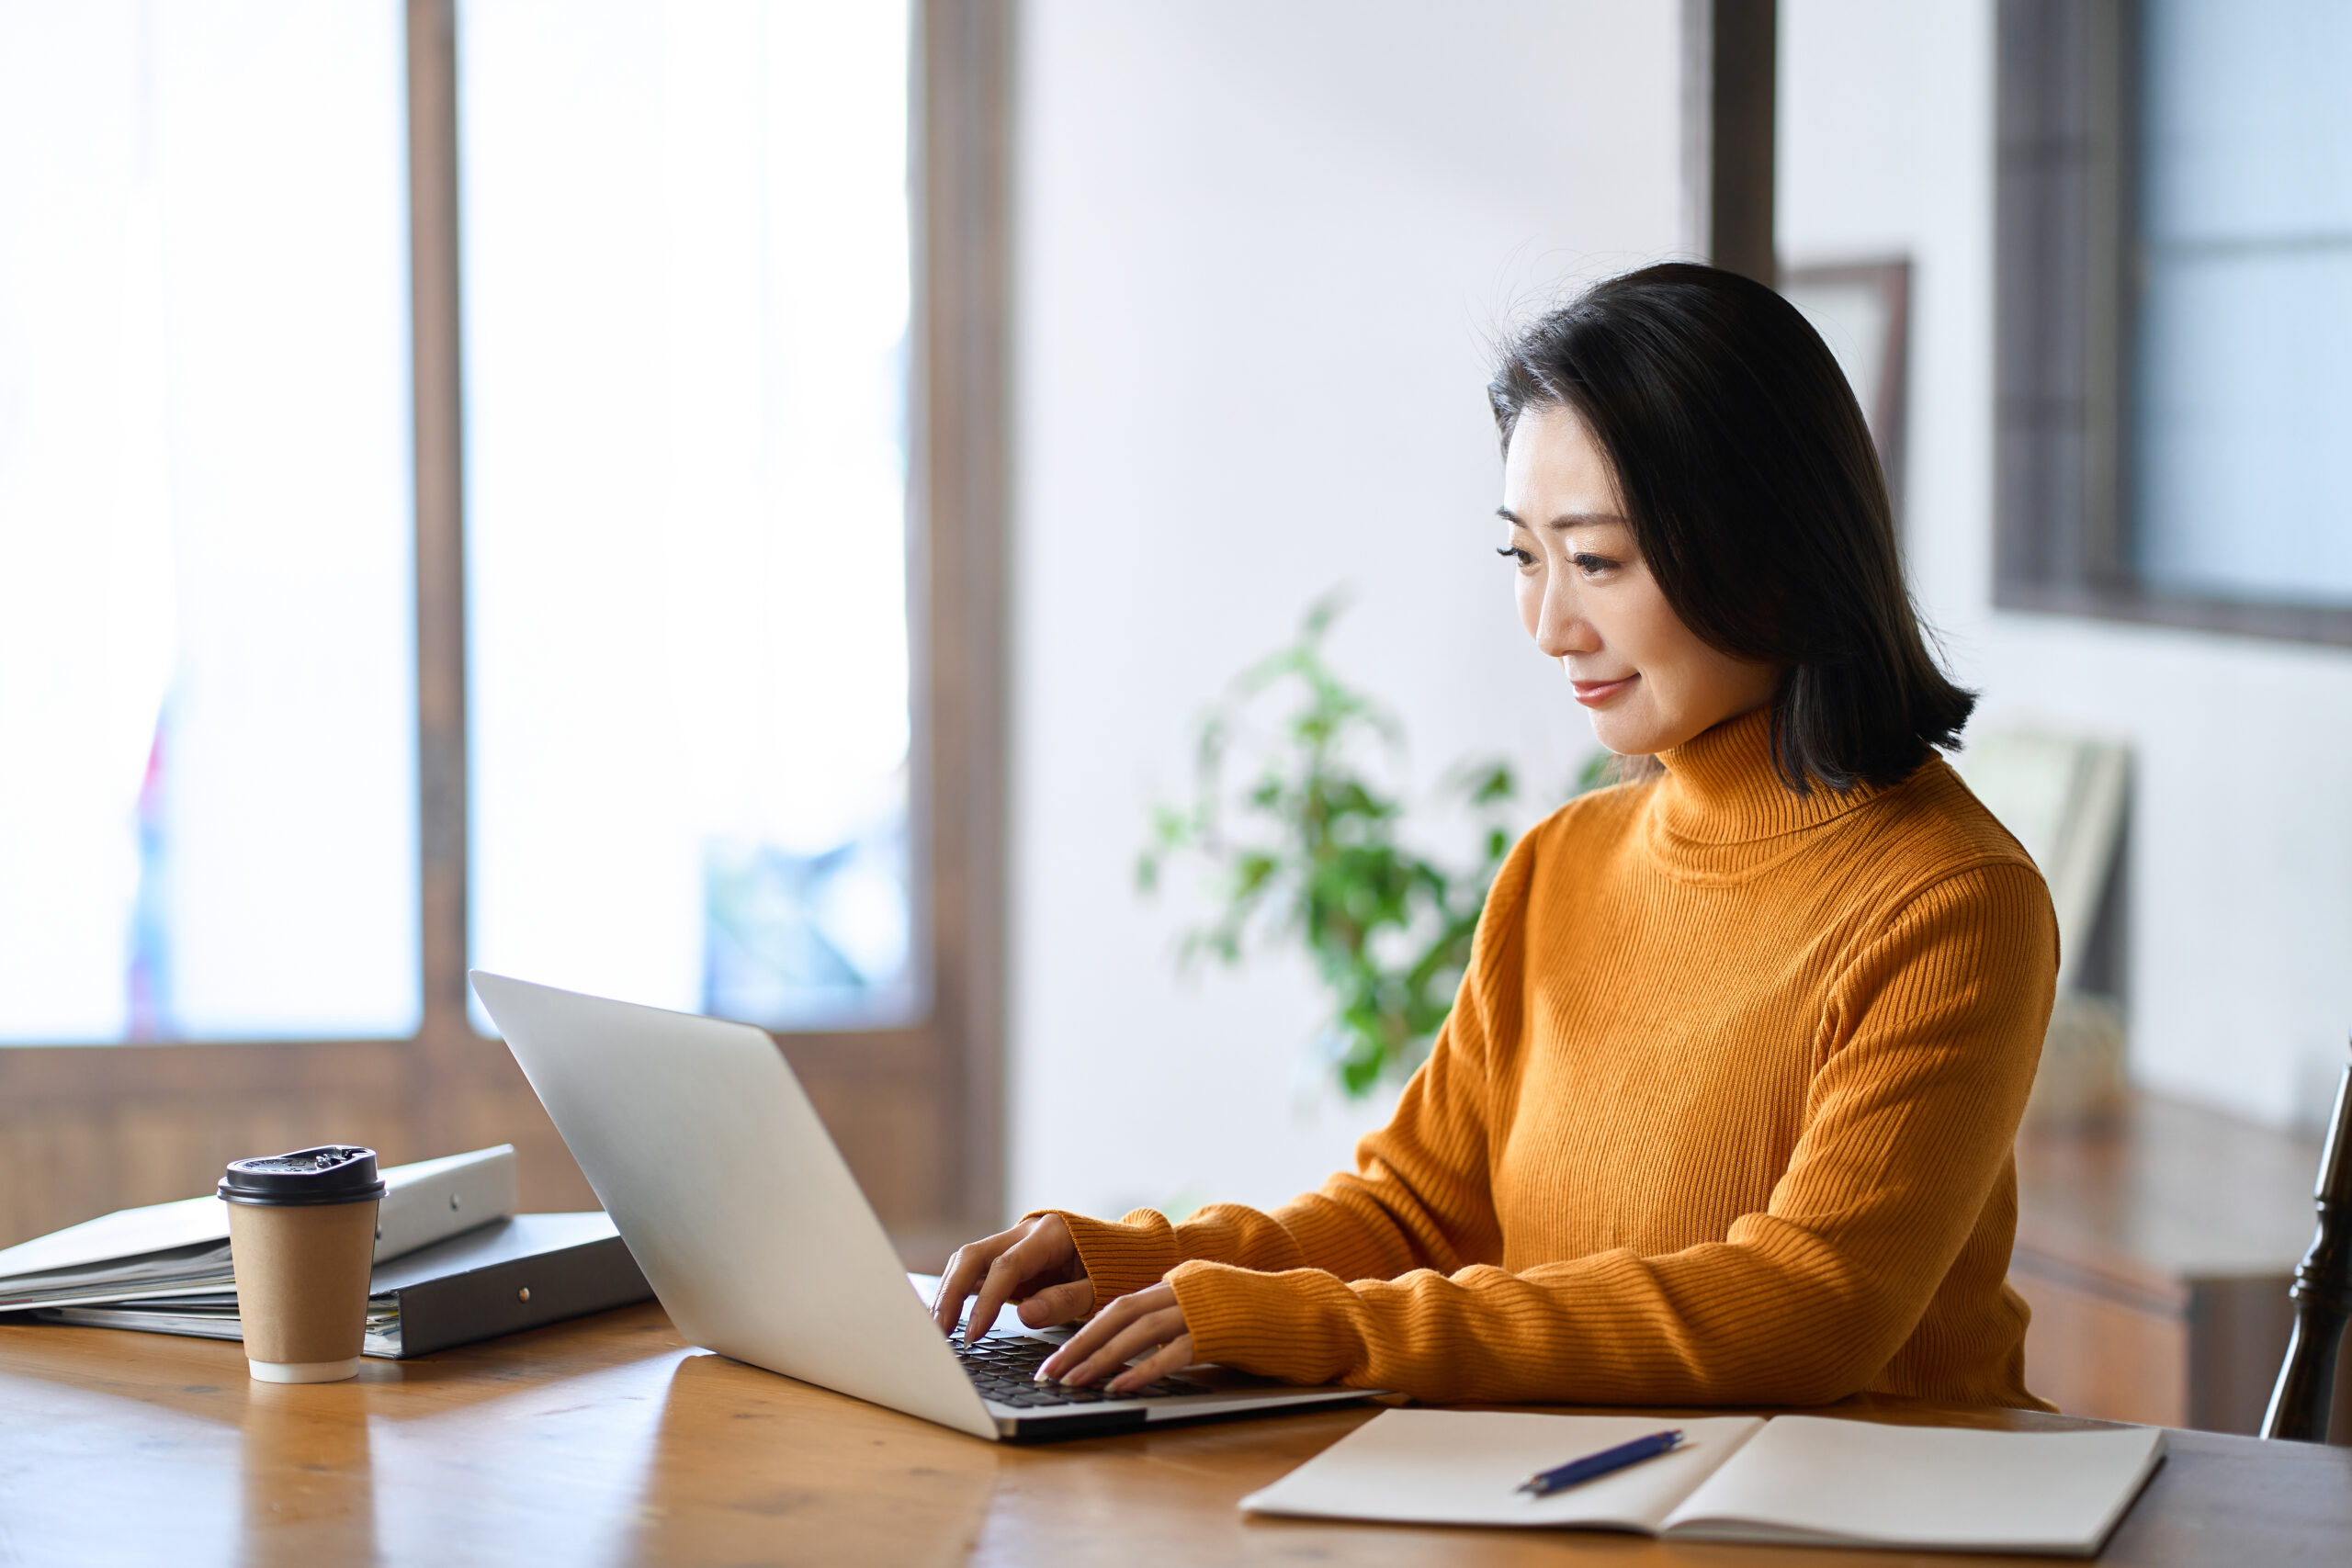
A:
[454,1264]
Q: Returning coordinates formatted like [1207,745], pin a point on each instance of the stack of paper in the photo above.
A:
[174,1249]
[498,1278]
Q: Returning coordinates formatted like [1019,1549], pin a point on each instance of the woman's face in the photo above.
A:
[1586,598]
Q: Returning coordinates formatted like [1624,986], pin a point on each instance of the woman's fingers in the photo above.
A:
[1090,1337]
[998,1285]
[999,1268]
[1059,1303]
[965,1271]
[1148,1331]
[1174,1356]
[1044,1249]
[1126,1327]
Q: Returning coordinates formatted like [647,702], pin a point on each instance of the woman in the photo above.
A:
[1723,1113]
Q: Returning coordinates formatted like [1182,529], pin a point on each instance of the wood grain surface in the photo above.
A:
[609,1440]
[2156,1245]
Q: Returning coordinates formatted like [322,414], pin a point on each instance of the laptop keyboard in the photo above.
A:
[1004,1369]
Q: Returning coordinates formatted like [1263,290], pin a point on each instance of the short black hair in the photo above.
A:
[1751,485]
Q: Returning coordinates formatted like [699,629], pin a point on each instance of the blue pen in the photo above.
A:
[1545,1483]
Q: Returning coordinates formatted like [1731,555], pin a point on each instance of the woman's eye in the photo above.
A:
[1592,566]
[1513,552]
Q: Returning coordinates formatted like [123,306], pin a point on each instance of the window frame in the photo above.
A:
[2067,274]
[917,1109]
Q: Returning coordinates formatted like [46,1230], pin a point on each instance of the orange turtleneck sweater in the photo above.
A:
[1723,1114]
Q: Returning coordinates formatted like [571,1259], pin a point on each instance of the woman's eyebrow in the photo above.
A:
[1564,520]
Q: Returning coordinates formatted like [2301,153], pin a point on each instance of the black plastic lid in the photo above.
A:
[335,1173]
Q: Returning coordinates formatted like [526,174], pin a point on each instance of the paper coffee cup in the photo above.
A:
[301,1244]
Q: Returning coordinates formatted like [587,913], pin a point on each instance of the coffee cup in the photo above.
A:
[301,1244]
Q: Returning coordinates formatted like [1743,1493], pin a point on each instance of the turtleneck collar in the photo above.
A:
[1721,791]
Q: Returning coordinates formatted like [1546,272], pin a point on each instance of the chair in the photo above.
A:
[2322,1293]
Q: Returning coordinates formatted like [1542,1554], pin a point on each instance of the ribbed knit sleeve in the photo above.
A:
[1929,1041]
[1419,1198]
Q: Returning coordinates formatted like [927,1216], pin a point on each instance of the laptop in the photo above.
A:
[704,1149]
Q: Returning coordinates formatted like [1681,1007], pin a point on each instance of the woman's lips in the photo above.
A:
[1593,693]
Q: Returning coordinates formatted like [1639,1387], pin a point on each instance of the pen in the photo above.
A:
[1545,1483]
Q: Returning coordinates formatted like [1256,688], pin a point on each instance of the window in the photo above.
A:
[2246,301]
[684,275]
[472,477]
[207,810]
[2174,283]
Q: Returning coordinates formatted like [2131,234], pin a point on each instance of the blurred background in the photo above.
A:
[740,505]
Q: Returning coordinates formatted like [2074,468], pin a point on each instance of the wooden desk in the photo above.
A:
[609,1441]
[2155,1247]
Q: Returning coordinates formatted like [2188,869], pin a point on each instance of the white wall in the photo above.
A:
[1262,252]
[2240,871]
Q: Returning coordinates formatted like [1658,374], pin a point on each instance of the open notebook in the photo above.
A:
[1794,1480]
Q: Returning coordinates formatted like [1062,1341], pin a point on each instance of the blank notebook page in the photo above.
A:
[1460,1467]
[1805,1476]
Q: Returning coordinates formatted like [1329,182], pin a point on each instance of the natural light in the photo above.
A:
[208,817]
[686,273]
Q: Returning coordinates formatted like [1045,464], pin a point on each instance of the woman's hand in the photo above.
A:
[1127,1327]
[1035,1263]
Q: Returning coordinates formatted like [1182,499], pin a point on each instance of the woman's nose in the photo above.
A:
[1561,629]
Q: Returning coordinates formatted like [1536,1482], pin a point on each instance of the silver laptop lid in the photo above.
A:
[701,1144]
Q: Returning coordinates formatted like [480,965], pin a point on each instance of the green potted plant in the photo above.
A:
[1305,848]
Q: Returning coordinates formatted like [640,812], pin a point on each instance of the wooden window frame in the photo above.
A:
[1729,111]
[916,1108]
[2067,298]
